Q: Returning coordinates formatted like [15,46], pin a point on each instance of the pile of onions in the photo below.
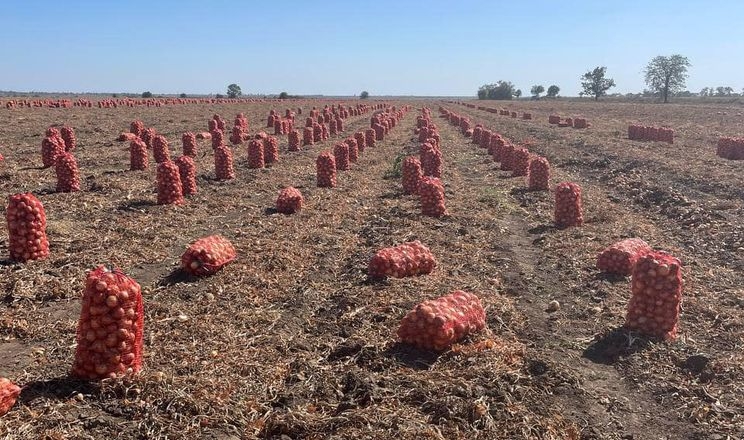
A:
[431,194]
[341,155]
[207,255]
[621,257]
[170,191]
[271,150]
[437,324]
[657,293]
[477,131]
[9,393]
[308,137]
[68,136]
[51,147]
[369,137]
[339,125]
[147,135]
[68,176]
[379,131]
[218,138]
[520,161]
[411,175]
[160,149]
[223,163]
[318,132]
[256,153]
[188,140]
[507,151]
[353,149]
[236,136]
[332,128]
[110,329]
[538,174]
[405,260]
[138,156]
[136,128]
[27,239]
[431,160]
[730,148]
[325,166]
[360,140]
[568,210]
[324,135]
[496,147]
[289,200]
[187,173]
[293,141]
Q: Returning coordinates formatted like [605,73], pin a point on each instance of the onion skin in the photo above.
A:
[9,393]
[439,323]
[405,260]
[110,328]
[656,286]
[208,255]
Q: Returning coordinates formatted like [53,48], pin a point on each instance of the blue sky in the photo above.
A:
[343,47]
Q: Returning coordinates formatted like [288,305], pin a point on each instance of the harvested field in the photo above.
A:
[292,340]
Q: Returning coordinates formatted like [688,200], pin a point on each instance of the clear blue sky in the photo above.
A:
[343,47]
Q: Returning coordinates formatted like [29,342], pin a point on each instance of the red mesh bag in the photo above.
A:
[293,141]
[188,140]
[51,148]
[513,114]
[324,135]
[309,122]
[204,135]
[68,176]
[208,255]
[236,137]
[160,149]
[339,125]
[405,260]
[360,140]
[332,128]
[256,154]
[223,163]
[431,160]
[622,256]
[187,173]
[218,138]
[289,200]
[127,137]
[477,131]
[412,175]
[170,190]
[554,119]
[580,123]
[341,155]
[568,210]
[526,116]
[220,122]
[431,193]
[9,393]
[147,135]
[27,239]
[271,150]
[111,325]
[369,137]
[136,128]
[325,166]
[308,137]
[520,161]
[353,150]
[318,132]
[538,174]
[68,136]
[138,158]
[656,284]
[379,132]
[439,323]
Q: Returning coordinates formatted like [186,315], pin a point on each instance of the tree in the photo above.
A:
[147,94]
[364,95]
[233,91]
[501,90]
[283,95]
[553,91]
[724,91]
[518,93]
[667,75]
[219,96]
[536,90]
[595,84]
[182,95]
[705,92]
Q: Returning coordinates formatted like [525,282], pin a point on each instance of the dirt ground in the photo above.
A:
[292,341]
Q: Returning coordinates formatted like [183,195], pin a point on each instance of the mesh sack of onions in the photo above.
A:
[360,140]
[9,393]
[339,125]
[204,135]
[520,160]
[170,191]
[138,156]
[379,132]
[27,239]
[137,127]
[477,131]
[318,132]
[325,166]
[51,148]
[68,136]
[147,135]
[308,137]
[507,151]
[431,160]
[324,135]
[279,127]
[353,150]
[405,260]
[620,257]
[236,137]
[218,138]
[293,141]
[127,137]
[538,174]
[423,134]
[656,285]
[568,210]
[332,128]
[369,137]
[411,174]
[309,122]
[289,200]
[212,125]
[431,193]
[256,154]
[496,147]
[485,138]
[111,325]
[160,150]
[187,173]
[271,150]
[271,120]
[554,119]
[208,255]
[437,324]
[220,122]
[223,163]
[341,155]
[68,176]
[188,140]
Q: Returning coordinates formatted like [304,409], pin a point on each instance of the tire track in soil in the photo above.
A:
[534,286]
